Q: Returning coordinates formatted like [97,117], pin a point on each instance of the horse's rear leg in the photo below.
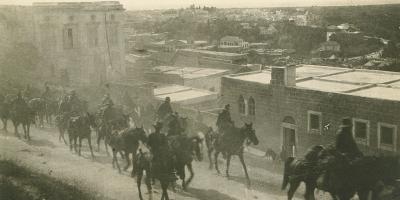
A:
[90,146]
[216,161]
[245,170]
[115,159]
[80,146]
[139,182]
[71,141]
[164,187]
[106,146]
[292,189]
[28,131]
[5,125]
[98,142]
[228,162]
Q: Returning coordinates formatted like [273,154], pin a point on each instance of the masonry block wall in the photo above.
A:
[274,103]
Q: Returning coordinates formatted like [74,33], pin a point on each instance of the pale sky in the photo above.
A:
[165,4]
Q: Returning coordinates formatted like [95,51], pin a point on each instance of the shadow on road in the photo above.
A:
[41,143]
[207,194]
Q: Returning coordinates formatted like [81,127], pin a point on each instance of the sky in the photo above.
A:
[166,4]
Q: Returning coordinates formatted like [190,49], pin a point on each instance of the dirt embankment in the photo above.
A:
[18,182]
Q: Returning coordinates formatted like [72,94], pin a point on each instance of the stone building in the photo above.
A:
[82,42]
[295,107]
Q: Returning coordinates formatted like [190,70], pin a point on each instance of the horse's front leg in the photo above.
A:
[90,146]
[191,171]
[228,162]
[80,146]
[128,160]
[245,169]
[216,161]
[292,189]
[209,151]
[28,130]
[16,129]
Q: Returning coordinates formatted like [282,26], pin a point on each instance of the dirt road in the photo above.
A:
[47,155]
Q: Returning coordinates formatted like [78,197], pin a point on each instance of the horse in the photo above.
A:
[232,143]
[111,119]
[21,113]
[79,128]
[50,110]
[126,141]
[4,113]
[61,122]
[297,171]
[344,178]
[163,162]
[185,149]
[38,106]
[143,163]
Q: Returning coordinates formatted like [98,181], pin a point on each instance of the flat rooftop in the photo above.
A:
[190,72]
[365,83]
[217,53]
[184,95]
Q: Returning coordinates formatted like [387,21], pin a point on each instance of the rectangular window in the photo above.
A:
[361,131]
[314,122]
[387,136]
[68,38]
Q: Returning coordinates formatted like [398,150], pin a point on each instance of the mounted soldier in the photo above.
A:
[74,103]
[224,120]
[27,93]
[174,125]
[345,142]
[165,109]
[46,95]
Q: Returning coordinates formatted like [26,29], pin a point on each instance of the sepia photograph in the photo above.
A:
[200,99]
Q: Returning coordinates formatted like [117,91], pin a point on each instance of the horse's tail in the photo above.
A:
[285,181]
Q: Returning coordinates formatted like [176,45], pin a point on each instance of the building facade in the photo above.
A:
[293,108]
[82,42]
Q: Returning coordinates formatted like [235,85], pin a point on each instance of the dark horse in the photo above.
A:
[38,105]
[21,113]
[4,111]
[297,171]
[79,128]
[185,149]
[163,160]
[143,163]
[108,120]
[335,173]
[127,141]
[232,143]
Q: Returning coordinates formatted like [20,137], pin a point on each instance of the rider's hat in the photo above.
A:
[346,122]
[158,125]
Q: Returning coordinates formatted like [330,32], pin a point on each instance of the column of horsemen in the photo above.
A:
[340,169]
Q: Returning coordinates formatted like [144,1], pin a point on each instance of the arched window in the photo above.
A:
[242,105]
[252,107]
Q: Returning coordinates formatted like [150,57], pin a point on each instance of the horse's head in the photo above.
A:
[141,133]
[250,133]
